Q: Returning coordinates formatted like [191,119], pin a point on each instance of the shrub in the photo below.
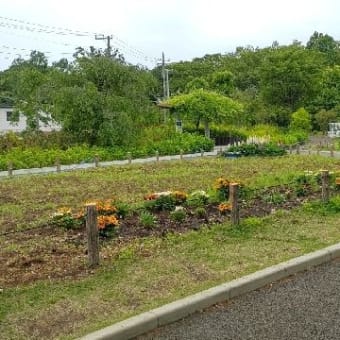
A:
[178,215]
[305,184]
[267,149]
[167,200]
[107,225]
[222,188]
[147,219]
[23,156]
[65,219]
[197,198]
[200,212]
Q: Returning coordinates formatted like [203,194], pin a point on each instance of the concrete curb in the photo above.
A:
[179,309]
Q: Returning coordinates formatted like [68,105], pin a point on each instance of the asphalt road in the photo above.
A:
[304,306]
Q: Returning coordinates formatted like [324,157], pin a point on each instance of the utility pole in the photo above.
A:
[165,78]
[108,39]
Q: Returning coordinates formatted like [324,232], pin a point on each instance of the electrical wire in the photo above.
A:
[39,28]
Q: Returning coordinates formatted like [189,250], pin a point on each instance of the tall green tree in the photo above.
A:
[290,76]
[206,107]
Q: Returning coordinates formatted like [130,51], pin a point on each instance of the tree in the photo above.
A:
[206,106]
[301,121]
[329,95]
[104,101]
[290,76]
[222,82]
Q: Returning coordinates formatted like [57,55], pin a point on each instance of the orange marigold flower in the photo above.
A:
[104,221]
[150,197]
[224,207]
[221,183]
[180,195]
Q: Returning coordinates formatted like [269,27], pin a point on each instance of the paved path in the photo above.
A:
[305,306]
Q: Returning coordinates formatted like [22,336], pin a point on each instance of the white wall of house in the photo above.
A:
[7,125]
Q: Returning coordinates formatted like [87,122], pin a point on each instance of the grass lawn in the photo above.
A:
[133,276]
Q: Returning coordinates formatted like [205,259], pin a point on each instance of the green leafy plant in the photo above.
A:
[147,219]
[178,215]
[200,212]
[266,149]
[197,198]
[65,219]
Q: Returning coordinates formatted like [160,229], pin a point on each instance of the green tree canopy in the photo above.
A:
[301,120]
[206,106]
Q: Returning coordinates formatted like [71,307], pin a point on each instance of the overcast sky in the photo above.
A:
[142,29]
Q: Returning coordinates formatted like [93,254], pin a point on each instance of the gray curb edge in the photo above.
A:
[174,311]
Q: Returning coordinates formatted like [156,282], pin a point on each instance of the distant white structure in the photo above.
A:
[334,130]
[6,123]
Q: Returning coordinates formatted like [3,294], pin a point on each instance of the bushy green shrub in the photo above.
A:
[267,149]
[31,157]
[178,215]
[222,135]
[161,203]
[147,219]
[197,198]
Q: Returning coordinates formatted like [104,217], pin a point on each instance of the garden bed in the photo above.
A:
[51,252]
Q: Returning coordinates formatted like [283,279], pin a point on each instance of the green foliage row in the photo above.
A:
[33,157]
[220,132]
[267,149]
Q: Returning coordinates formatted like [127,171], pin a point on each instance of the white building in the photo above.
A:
[334,130]
[6,124]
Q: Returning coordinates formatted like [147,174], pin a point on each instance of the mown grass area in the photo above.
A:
[133,277]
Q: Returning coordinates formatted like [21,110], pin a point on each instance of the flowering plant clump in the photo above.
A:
[221,183]
[180,196]
[105,207]
[197,198]
[222,187]
[165,200]
[224,207]
[107,219]
[65,218]
[155,195]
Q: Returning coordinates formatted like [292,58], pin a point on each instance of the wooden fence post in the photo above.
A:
[157,156]
[92,234]
[129,156]
[332,150]
[10,169]
[298,149]
[181,154]
[57,164]
[233,199]
[202,152]
[325,185]
[96,161]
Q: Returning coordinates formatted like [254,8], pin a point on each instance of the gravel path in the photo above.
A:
[305,306]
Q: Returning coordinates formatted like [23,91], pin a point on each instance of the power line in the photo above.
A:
[74,46]
[39,28]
